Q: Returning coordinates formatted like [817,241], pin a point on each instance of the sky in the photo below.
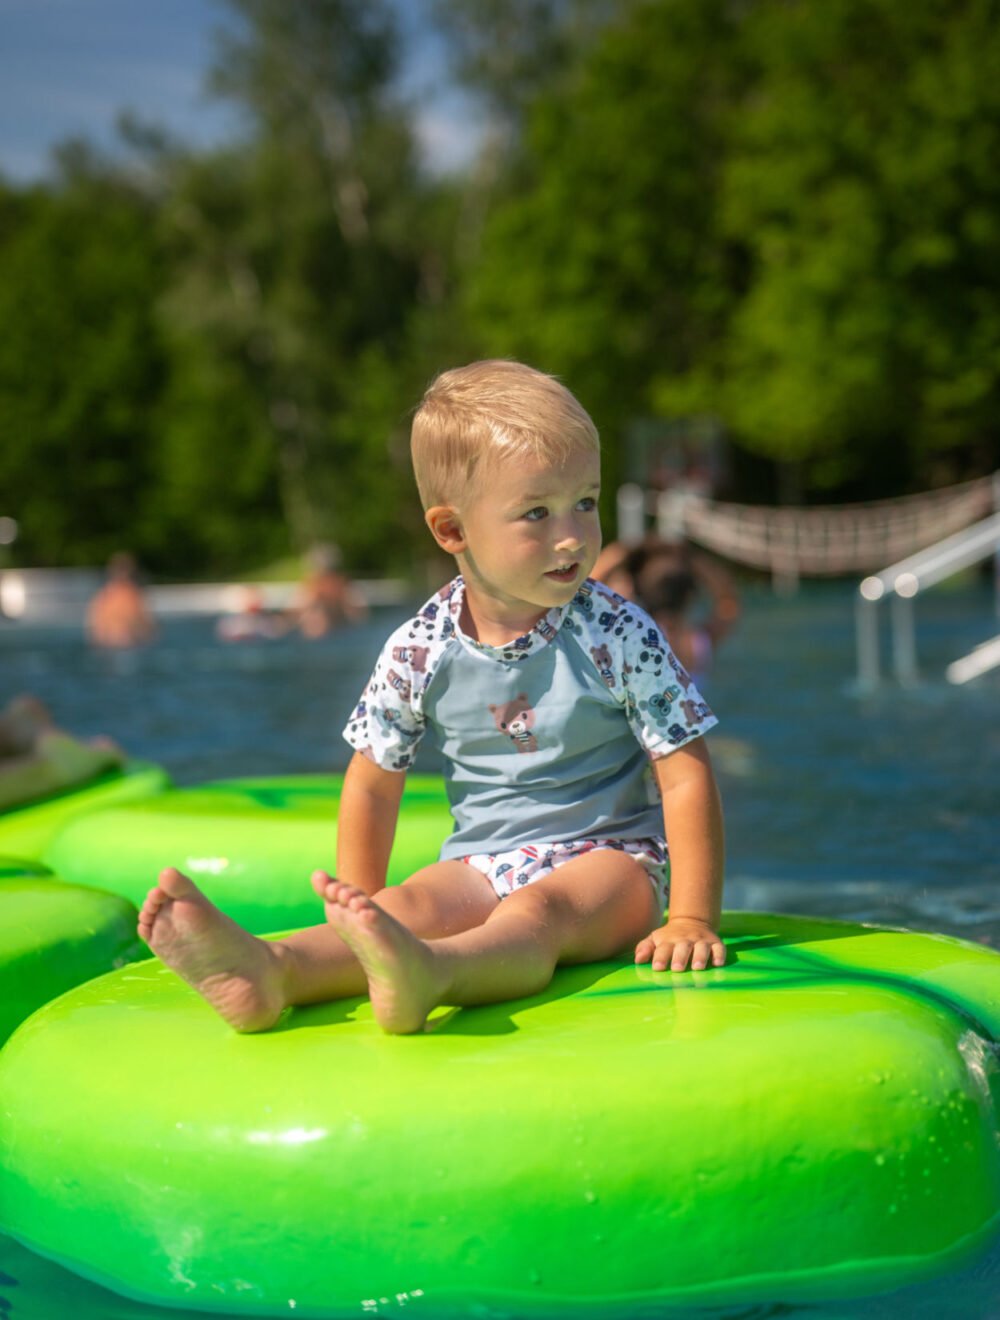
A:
[68,68]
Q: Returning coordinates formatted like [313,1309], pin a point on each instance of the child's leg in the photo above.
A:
[250,981]
[589,908]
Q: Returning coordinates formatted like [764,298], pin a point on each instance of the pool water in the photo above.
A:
[879,806]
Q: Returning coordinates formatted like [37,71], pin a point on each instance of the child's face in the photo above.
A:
[531,529]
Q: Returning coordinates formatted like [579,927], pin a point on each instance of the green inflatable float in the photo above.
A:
[819,1118]
[53,936]
[251,844]
[28,830]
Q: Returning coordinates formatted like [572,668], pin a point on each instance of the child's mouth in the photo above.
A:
[563,574]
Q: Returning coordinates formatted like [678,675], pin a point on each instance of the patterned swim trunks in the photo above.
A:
[507,871]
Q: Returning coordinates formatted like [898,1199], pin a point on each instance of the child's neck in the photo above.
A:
[495,622]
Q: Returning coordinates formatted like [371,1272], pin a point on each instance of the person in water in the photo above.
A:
[327,598]
[38,759]
[572,738]
[118,617]
[667,578]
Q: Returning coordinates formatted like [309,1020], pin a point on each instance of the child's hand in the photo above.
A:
[681,942]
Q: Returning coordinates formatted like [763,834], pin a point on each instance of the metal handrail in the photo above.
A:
[905,580]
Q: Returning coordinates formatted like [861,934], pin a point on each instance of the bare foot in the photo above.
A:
[404,982]
[237,973]
[325,886]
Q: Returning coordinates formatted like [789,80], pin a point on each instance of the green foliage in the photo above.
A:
[294,272]
[604,265]
[513,51]
[862,183]
[782,213]
[80,359]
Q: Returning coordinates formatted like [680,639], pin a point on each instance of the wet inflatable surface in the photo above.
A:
[54,936]
[795,1124]
[251,844]
[28,830]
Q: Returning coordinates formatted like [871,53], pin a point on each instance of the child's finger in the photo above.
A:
[708,952]
[662,954]
[683,950]
[644,949]
[701,956]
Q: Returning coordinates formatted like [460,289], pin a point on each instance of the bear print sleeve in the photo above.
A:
[387,724]
[663,707]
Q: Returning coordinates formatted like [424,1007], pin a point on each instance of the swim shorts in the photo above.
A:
[507,871]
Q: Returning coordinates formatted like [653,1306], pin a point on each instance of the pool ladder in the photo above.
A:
[904,582]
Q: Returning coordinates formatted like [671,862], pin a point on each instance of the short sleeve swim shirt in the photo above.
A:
[547,738]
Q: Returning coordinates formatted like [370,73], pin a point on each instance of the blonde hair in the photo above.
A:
[493,409]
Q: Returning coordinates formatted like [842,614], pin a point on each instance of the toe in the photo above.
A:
[175,884]
[321,882]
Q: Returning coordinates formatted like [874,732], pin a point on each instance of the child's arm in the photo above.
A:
[366,822]
[721,589]
[692,814]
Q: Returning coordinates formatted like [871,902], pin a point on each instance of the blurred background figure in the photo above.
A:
[37,758]
[251,620]
[118,616]
[692,598]
[327,597]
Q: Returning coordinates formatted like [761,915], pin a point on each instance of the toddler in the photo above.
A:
[571,736]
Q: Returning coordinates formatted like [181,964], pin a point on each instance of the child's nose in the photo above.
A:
[570,539]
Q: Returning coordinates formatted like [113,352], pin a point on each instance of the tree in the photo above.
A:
[777,212]
[513,51]
[606,266]
[300,264]
[81,361]
[861,182]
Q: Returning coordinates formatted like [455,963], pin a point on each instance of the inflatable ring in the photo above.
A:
[53,936]
[816,1119]
[26,831]
[251,844]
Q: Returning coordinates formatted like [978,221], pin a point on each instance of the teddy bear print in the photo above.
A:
[694,711]
[399,684]
[415,655]
[516,719]
[602,659]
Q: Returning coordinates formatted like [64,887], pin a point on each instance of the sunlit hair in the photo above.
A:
[489,410]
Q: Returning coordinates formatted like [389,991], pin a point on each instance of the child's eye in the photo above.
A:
[587,505]
[537,513]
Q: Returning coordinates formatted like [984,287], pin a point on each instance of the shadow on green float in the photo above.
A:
[37,1288]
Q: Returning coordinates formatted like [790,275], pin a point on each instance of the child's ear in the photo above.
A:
[446,528]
